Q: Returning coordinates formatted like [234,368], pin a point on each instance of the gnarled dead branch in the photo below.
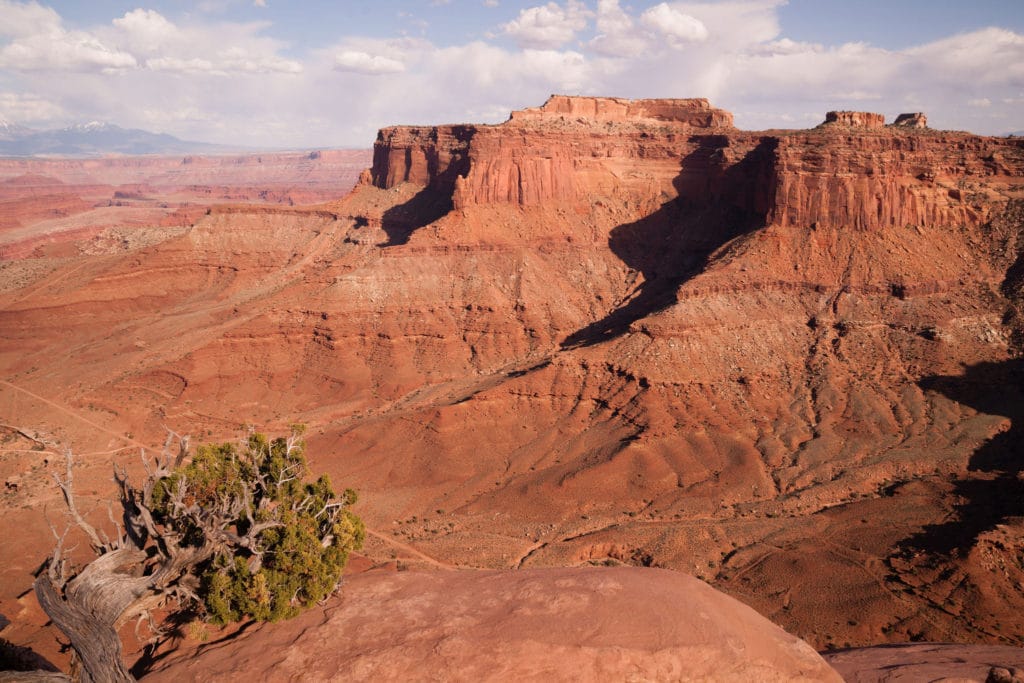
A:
[187,525]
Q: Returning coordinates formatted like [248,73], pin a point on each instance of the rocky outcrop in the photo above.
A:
[573,149]
[540,154]
[878,180]
[569,339]
[431,156]
[912,120]
[695,112]
[854,119]
[554,625]
[930,662]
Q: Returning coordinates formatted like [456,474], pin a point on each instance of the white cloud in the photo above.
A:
[983,56]
[785,46]
[243,59]
[616,33]
[141,39]
[199,77]
[194,65]
[365,63]
[66,50]
[145,31]
[673,24]
[19,107]
[26,19]
[548,26]
[40,42]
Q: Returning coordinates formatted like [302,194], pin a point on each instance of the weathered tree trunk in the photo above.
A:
[93,637]
[148,561]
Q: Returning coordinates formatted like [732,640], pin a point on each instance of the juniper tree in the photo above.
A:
[236,532]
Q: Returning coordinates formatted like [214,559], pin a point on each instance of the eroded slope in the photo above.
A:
[601,332]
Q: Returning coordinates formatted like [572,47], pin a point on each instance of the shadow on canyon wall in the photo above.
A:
[992,491]
[165,644]
[434,200]
[425,207]
[717,201]
[994,487]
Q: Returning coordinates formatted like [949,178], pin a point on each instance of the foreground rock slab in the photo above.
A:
[928,662]
[620,623]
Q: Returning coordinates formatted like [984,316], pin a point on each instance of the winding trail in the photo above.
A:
[434,562]
[72,413]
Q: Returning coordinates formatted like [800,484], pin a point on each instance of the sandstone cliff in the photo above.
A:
[573,148]
[600,332]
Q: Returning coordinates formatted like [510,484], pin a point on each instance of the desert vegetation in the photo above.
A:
[628,340]
[235,532]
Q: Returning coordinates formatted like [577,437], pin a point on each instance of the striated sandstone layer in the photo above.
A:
[854,119]
[605,624]
[601,332]
[696,112]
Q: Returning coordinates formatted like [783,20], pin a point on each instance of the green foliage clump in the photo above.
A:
[281,542]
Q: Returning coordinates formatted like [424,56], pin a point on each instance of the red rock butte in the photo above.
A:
[854,119]
[602,332]
[696,112]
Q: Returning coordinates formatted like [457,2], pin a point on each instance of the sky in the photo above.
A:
[313,74]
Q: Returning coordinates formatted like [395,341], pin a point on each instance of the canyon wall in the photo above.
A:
[851,172]
[877,180]
[601,332]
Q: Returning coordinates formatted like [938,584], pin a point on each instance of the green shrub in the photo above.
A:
[281,543]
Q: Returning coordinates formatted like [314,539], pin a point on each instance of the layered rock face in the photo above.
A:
[696,112]
[912,120]
[854,119]
[481,165]
[884,181]
[601,332]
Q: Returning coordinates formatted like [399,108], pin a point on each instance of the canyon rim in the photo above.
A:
[605,331]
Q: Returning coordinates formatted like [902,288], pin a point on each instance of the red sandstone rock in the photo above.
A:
[696,112]
[854,119]
[564,340]
[913,120]
[926,662]
[552,625]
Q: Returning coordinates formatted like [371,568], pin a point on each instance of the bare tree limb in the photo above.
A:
[164,545]
[65,485]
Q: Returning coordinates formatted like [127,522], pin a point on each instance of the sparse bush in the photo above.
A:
[236,533]
[297,536]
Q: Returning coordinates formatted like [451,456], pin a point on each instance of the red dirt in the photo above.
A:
[781,360]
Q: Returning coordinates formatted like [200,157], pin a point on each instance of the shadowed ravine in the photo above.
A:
[993,490]
[716,203]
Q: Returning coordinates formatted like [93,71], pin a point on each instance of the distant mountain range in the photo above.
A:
[95,139]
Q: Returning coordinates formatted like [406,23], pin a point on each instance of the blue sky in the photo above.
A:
[317,74]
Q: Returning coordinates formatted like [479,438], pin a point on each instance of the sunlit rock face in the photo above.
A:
[604,331]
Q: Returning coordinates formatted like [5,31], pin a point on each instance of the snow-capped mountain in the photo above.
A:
[10,131]
[93,139]
[90,127]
